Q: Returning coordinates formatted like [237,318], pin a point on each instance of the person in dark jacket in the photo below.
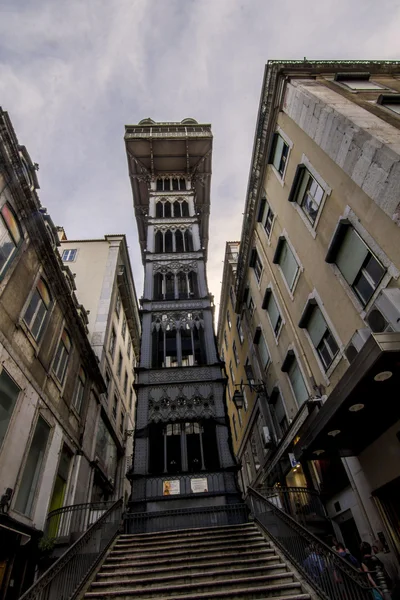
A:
[372,565]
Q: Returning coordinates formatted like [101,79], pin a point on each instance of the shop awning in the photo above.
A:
[363,405]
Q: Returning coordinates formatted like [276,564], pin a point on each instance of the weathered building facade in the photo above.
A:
[105,286]
[50,381]
[317,287]
[183,456]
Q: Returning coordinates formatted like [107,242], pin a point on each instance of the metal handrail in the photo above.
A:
[65,578]
[331,576]
[303,504]
[73,519]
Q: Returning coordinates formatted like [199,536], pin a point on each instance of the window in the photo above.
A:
[33,468]
[235,354]
[307,192]
[126,383]
[62,356]
[119,367]
[9,392]
[226,340]
[357,81]
[390,101]
[239,329]
[251,306]
[115,407]
[278,413]
[263,352]
[320,335]
[35,314]
[249,372]
[279,154]
[269,219]
[131,399]
[69,255]
[234,426]
[118,305]
[174,345]
[108,383]
[111,347]
[123,330]
[284,257]
[232,296]
[256,264]
[231,372]
[245,401]
[222,355]
[291,367]
[10,236]
[79,390]
[358,265]
[121,422]
[270,305]
[129,347]
[228,318]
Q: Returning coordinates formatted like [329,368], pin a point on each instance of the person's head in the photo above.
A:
[340,548]
[377,547]
[365,548]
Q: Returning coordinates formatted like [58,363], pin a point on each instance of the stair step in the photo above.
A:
[277,572]
[180,533]
[139,549]
[194,568]
[198,539]
[258,585]
[208,560]
[197,553]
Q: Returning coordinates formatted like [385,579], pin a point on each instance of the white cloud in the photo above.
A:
[73,73]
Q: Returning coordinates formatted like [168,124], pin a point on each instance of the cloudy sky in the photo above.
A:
[74,72]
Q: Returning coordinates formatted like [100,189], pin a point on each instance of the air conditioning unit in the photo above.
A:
[385,313]
[266,437]
[356,343]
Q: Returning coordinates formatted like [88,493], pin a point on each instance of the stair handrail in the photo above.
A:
[74,518]
[330,575]
[67,575]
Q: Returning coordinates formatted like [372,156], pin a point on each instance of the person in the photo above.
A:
[333,542]
[344,553]
[314,563]
[391,567]
[371,565]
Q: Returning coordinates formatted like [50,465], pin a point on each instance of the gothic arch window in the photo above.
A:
[179,244]
[159,245]
[169,286]
[160,185]
[158,287]
[193,284]
[182,184]
[182,285]
[185,209]
[167,209]
[168,243]
[167,184]
[188,240]
[177,209]
[175,183]
[159,210]
[178,341]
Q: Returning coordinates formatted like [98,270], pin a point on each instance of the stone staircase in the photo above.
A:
[233,562]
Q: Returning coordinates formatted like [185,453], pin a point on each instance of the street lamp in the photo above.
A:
[257,387]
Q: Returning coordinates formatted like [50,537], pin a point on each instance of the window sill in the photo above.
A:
[307,223]
[75,412]
[22,325]
[280,178]
[56,381]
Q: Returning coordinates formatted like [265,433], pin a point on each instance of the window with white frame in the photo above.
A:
[357,263]
[278,412]
[118,305]
[239,329]
[38,309]
[9,392]
[251,306]
[119,366]
[266,216]
[235,354]
[79,390]
[10,236]
[111,346]
[270,305]
[232,295]
[285,258]
[245,401]
[256,264]
[279,154]
[226,340]
[320,335]
[262,350]
[61,358]
[123,330]
[234,426]
[291,367]
[231,372]
[228,319]
[69,255]
[357,81]
[307,192]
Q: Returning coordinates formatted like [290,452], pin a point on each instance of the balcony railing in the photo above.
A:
[67,576]
[64,522]
[332,577]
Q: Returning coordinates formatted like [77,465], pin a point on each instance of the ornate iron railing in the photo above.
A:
[63,522]
[332,577]
[186,518]
[302,504]
[66,577]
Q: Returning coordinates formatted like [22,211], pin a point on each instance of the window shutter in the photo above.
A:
[307,312]
[337,239]
[296,181]
[273,311]
[316,326]
[278,149]
[253,258]
[298,385]
[352,76]
[257,335]
[263,202]
[287,363]
[279,248]
[351,255]
[280,412]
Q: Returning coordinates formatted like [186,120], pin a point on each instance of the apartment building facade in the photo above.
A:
[50,381]
[105,286]
[317,290]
